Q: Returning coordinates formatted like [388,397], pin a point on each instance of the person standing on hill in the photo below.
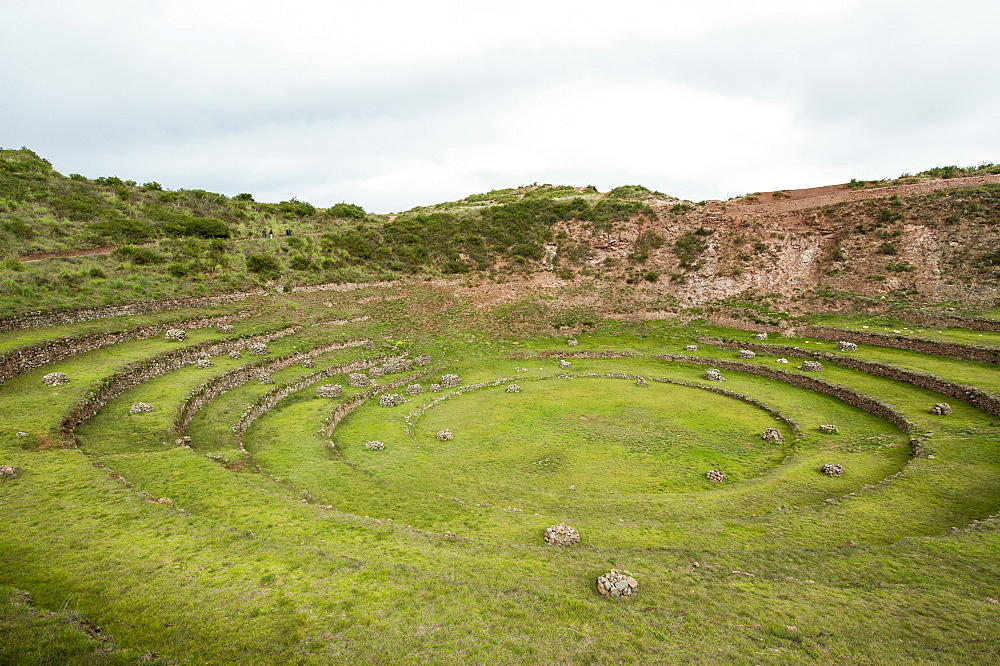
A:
[288,232]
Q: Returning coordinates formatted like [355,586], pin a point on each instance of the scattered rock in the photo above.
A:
[390,400]
[434,388]
[834,469]
[398,365]
[174,335]
[513,388]
[641,381]
[714,375]
[572,342]
[450,381]
[617,583]
[843,345]
[760,336]
[423,359]
[256,349]
[830,428]
[151,656]
[941,408]
[374,446]
[225,328]
[235,354]
[376,372]
[811,366]
[414,389]
[781,360]
[203,363]
[744,574]
[561,535]
[746,353]
[358,380]
[329,391]
[308,363]
[772,435]
[265,378]
[140,407]
[565,365]
[691,348]
[55,378]
[716,475]
[445,435]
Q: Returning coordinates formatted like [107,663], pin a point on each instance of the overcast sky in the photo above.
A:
[395,104]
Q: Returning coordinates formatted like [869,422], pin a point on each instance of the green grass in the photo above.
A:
[240,566]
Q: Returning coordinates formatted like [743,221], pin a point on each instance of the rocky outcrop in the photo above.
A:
[617,583]
[561,535]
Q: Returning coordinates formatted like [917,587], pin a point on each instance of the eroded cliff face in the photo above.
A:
[933,241]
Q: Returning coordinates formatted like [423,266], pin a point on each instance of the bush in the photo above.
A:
[346,210]
[263,264]
[140,256]
[888,248]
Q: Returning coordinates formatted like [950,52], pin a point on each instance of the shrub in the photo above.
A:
[263,264]
[140,256]
[346,210]
[888,248]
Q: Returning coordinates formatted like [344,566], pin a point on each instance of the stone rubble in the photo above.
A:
[8,471]
[781,360]
[834,469]
[714,375]
[376,372]
[617,583]
[398,365]
[235,355]
[716,475]
[414,389]
[513,388]
[329,391]
[561,535]
[746,353]
[772,435]
[450,381]
[203,363]
[55,378]
[265,378]
[941,409]
[174,335]
[140,407]
[257,349]
[565,365]
[811,366]
[434,388]
[358,380]
[641,381]
[830,428]
[390,400]
[843,345]
[374,446]
[760,336]
[308,364]
[423,359]
[445,435]
[225,328]
[572,342]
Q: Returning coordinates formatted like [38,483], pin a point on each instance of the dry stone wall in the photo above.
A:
[76,315]
[978,398]
[909,343]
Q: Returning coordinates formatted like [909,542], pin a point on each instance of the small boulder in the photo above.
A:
[830,429]
[760,336]
[781,360]
[572,342]
[8,471]
[691,348]
[565,365]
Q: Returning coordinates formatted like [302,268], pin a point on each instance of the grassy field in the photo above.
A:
[280,548]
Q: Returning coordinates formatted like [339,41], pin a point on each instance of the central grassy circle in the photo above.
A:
[600,435]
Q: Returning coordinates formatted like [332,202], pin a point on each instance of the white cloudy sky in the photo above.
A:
[394,104]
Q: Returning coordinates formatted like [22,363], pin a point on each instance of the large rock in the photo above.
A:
[561,535]
[55,378]
[941,409]
[617,583]
[329,391]
[772,435]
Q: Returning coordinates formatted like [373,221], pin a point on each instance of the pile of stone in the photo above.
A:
[265,378]
[941,409]
[830,428]
[617,583]
[399,365]
[308,364]
[811,366]
[225,328]
[760,336]
[358,380]
[140,407]
[714,375]
[434,388]
[235,355]
[329,391]
[423,359]
[847,346]
[772,435]
[174,335]
[445,435]
[513,388]
[376,372]
[414,389]
[716,475]
[257,349]
[391,400]
[374,446]
[572,342]
[691,348]
[832,470]
[203,363]
[641,381]
[745,353]
[561,535]
[8,471]
[565,365]
[450,381]
[781,360]
[55,378]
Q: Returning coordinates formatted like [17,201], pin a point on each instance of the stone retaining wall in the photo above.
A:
[972,395]
[348,406]
[842,393]
[237,377]
[138,372]
[922,345]
[76,315]
[32,356]
[971,323]
[562,353]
